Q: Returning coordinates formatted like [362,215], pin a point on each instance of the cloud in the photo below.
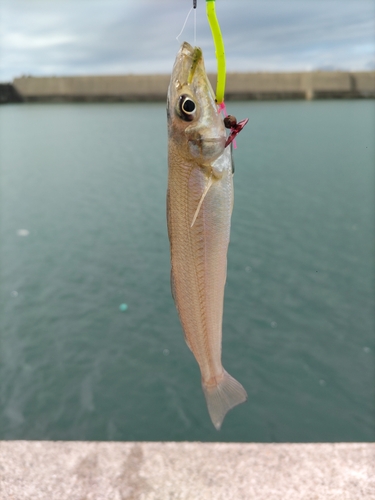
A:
[67,37]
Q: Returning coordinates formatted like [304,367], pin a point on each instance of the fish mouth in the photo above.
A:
[196,56]
[189,58]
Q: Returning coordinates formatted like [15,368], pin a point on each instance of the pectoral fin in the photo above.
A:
[208,185]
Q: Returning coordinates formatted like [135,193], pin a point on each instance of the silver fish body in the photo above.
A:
[199,208]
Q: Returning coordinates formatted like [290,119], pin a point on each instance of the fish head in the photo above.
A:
[194,123]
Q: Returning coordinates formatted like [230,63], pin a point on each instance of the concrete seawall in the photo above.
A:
[256,86]
[47,470]
[8,93]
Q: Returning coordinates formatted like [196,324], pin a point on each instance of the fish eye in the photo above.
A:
[186,108]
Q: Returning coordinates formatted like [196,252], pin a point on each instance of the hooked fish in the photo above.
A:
[199,208]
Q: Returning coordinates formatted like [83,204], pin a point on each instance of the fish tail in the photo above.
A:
[222,397]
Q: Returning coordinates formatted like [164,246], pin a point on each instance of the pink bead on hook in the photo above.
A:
[235,128]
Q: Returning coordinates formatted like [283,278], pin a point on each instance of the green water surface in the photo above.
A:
[86,183]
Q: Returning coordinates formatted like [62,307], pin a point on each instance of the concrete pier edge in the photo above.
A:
[240,86]
[62,470]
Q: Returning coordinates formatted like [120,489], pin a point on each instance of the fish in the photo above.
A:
[199,209]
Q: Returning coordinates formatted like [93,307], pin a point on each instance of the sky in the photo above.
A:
[95,37]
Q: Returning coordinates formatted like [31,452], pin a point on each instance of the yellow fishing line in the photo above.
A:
[219,50]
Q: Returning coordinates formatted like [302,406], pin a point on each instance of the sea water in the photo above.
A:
[90,345]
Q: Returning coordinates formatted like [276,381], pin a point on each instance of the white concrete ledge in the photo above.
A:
[45,470]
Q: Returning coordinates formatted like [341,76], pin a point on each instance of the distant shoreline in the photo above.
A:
[240,86]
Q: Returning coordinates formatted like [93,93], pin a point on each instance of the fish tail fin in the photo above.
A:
[222,397]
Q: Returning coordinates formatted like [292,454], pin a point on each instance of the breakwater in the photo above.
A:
[8,93]
[240,86]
